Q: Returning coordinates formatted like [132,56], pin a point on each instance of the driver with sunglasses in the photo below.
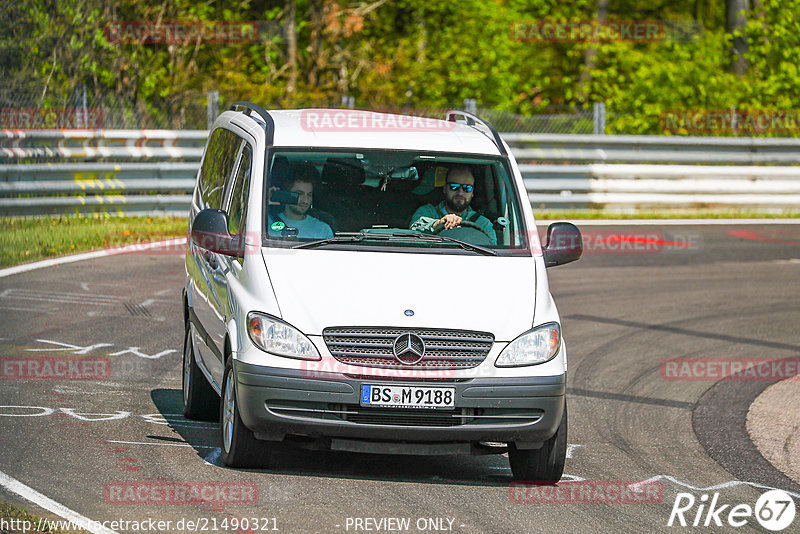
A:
[454,209]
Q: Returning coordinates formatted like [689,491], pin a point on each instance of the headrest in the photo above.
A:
[279,174]
[430,179]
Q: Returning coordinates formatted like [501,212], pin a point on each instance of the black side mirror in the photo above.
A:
[210,232]
[564,244]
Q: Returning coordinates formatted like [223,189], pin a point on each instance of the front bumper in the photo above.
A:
[277,402]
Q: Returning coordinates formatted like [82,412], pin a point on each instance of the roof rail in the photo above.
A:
[472,120]
[249,107]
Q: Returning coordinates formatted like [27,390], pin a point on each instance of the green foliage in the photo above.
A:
[412,53]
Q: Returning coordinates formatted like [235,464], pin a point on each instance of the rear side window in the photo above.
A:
[217,166]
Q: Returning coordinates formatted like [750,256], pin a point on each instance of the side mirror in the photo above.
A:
[564,244]
[210,232]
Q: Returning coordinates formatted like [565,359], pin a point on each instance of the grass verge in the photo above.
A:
[14,520]
[24,240]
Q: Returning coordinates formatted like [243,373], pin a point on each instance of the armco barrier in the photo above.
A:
[153,171]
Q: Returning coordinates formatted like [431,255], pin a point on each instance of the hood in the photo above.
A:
[322,288]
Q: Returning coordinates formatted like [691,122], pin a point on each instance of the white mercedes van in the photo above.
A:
[367,282]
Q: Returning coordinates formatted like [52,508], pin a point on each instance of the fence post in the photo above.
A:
[85,111]
[599,111]
[213,107]
[471,106]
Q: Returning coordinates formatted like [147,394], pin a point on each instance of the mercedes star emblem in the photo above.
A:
[409,349]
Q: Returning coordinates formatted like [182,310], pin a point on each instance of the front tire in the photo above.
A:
[240,448]
[541,465]
[200,401]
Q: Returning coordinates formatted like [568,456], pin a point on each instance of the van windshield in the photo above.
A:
[392,198]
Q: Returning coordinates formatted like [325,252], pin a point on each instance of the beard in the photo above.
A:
[457,204]
[297,209]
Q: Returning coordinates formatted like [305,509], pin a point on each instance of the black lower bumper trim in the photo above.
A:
[276,402]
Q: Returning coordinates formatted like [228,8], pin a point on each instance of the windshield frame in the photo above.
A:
[422,247]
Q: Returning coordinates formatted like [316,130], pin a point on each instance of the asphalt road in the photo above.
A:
[732,293]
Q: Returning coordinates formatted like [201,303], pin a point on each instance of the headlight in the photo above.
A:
[537,346]
[276,337]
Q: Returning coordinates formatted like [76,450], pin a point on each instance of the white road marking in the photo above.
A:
[77,349]
[30,494]
[88,256]
[68,347]
[161,444]
[85,286]
[721,485]
[44,411]
[41,411]
[135,352]
[96,416]
[571,447]
[162,292]
[34,310]
[147,302]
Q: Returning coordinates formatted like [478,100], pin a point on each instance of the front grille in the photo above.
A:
[394,416]
[373,347]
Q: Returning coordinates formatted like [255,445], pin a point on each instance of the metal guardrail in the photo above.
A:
[654,149]
[153,171]
[92,144]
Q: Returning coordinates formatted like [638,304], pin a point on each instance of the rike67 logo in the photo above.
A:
[774,511]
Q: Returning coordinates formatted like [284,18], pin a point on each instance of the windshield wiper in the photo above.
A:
[344,237]
[433,238]
[355,237]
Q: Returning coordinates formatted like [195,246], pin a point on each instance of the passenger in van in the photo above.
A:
[455,208]
[295,216]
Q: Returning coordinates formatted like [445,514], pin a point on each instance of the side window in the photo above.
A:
[217,166]
[207,170]
[238,196]
[226,157]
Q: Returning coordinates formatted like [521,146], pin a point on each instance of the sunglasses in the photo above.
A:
[466,187]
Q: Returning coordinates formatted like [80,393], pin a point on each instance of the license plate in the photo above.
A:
[407,396]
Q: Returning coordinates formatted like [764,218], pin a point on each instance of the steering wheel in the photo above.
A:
[466,224]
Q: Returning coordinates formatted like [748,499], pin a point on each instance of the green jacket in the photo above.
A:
[426,215]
